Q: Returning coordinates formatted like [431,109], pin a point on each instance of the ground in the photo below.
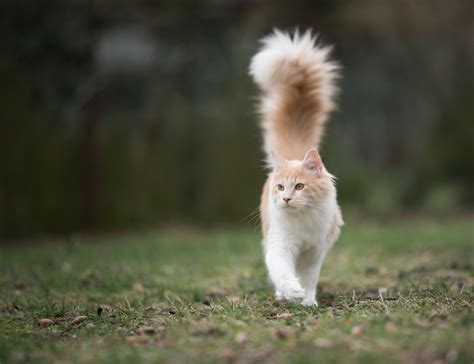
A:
[390,291]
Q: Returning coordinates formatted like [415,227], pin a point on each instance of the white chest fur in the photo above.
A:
[301,230]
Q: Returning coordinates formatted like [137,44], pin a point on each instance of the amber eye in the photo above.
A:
[280,187]
[299,186]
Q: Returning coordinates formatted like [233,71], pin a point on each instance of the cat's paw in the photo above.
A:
[278,296]
[309,302]
[292,290]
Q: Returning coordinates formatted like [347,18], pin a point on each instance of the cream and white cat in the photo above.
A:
[301,218]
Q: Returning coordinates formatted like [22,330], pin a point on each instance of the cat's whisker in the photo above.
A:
[255,213]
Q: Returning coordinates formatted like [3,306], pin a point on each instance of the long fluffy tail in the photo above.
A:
[297,83]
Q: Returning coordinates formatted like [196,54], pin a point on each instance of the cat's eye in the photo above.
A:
[280,187]
[299,186]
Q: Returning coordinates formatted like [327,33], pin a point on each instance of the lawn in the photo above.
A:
[391,291]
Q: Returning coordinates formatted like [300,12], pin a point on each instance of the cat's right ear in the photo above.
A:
[312,161]
[277,160]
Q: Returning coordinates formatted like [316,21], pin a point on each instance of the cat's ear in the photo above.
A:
[277,160]
[312,161]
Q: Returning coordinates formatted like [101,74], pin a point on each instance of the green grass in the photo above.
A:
[397,291]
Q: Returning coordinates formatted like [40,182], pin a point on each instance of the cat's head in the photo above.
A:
[299,185]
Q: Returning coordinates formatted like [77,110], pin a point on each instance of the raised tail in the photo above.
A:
[297,83]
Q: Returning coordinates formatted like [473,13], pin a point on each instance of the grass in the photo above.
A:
[398,291]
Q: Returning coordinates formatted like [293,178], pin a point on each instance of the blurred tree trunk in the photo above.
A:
[89,147]
[90,125]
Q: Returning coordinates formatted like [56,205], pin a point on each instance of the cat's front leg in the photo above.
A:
[281,268]
[309,266]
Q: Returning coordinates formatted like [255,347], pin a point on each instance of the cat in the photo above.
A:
[300,216]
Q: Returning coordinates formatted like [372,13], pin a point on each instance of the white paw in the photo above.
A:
[278,296]
[292,290]
[309,302]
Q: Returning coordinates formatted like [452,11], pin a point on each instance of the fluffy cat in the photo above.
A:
[301,218]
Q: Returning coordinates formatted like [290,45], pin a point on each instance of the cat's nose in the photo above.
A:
[286,199]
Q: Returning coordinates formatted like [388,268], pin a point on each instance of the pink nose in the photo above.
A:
[286,199]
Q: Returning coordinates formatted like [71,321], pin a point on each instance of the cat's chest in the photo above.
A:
[304,232]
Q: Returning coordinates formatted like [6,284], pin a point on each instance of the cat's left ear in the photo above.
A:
[312,161]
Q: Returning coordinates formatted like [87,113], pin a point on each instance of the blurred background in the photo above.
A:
[127,114]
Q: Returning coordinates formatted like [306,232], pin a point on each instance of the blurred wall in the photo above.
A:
[122,114]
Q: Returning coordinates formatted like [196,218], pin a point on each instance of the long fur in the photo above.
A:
[297,83]
[299,224]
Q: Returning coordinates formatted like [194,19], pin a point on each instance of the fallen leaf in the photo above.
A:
[391,328]
[45,322]
[323,343]
[146,330]
[263,354]
[372,271]
[218,291]
[77,320]
[284,316]
[357,330]
[105,307]
[137,339]
[233,299]
[336,311]
[137,286]
[227,355]
[355,344]
[209,331]
[15,310]
[241,337]
[284,332]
